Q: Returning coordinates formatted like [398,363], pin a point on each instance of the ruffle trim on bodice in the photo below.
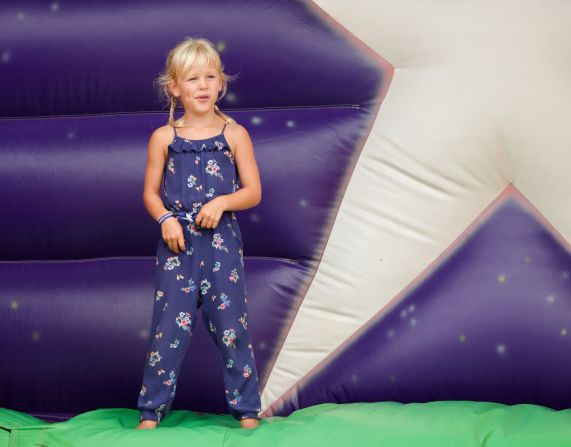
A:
[216,143]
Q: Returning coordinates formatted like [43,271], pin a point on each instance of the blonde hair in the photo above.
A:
[197,52]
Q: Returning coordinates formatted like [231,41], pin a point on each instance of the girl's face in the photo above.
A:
[198,83]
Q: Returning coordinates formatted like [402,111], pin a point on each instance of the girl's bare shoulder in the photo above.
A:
[234,133]
[162,137]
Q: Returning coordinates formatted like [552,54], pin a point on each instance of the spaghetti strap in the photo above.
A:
[174,128]
[222,133]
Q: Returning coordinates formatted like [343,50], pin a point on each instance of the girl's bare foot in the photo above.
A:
[249,423]
[147,424]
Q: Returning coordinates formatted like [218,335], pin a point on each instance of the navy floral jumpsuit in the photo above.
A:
[209,273]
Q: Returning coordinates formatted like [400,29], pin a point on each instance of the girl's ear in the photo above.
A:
[172,88]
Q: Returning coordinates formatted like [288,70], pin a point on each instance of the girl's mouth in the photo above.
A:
[203,98]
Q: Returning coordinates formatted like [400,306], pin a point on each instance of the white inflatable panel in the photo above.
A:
[480,102]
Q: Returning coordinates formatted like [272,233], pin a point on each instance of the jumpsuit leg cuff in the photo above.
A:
[148,415]
[249,416]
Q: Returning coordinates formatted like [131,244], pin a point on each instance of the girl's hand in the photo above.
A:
[210,213]
[173,234]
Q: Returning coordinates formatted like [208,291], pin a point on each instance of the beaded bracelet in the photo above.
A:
[164,217]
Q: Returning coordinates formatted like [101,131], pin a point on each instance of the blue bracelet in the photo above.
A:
[164,217]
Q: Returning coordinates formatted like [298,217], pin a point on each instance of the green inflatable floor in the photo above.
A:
[383,424]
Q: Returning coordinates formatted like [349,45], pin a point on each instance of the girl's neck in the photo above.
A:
[201,121]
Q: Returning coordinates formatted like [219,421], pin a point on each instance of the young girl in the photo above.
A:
[199,259]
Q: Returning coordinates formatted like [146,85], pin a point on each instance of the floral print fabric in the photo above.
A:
[209,274]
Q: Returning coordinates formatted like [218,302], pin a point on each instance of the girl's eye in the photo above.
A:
[192,79]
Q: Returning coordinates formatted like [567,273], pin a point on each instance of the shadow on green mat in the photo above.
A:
[383,424]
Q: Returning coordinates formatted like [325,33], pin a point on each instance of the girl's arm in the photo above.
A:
[250,193]
[157,155]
